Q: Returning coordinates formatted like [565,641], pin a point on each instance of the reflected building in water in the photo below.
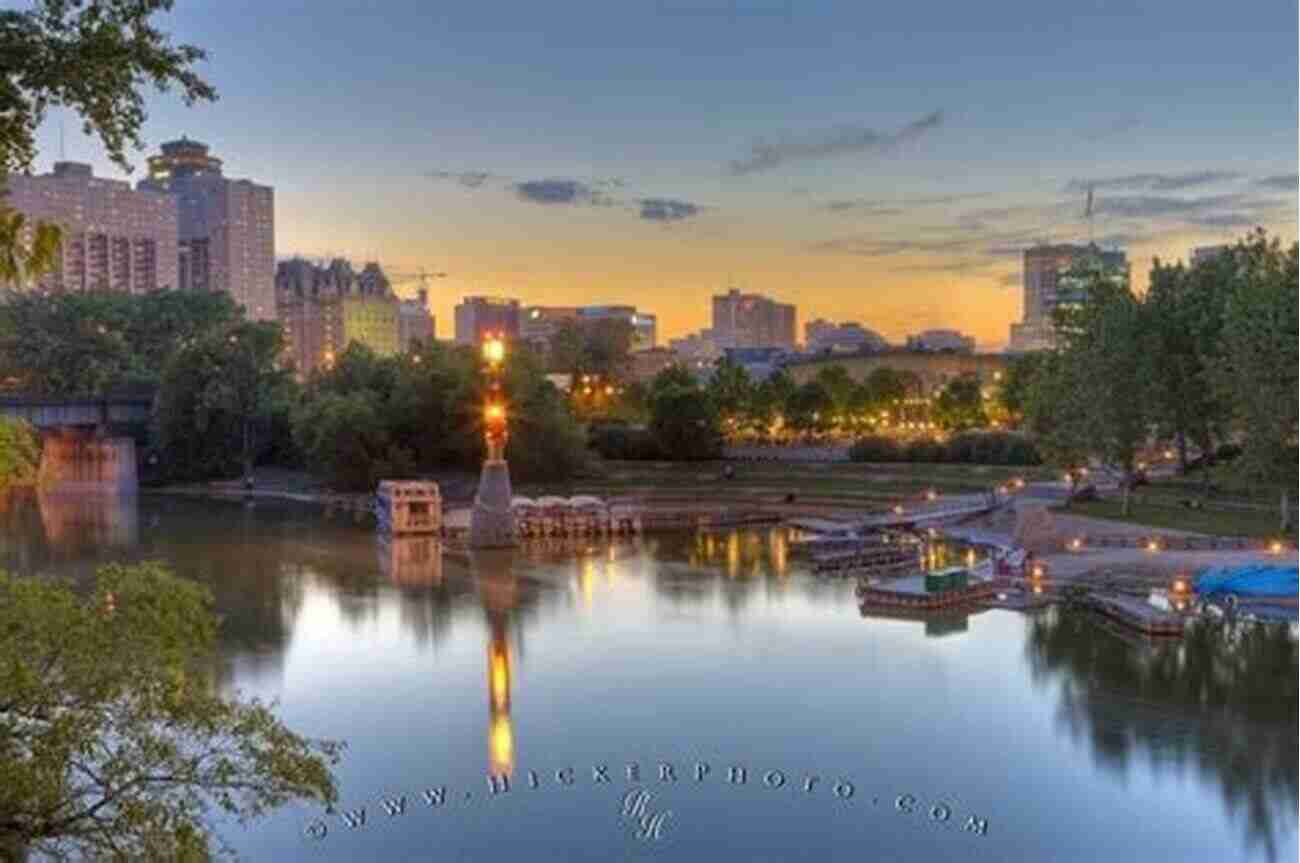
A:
[410,561]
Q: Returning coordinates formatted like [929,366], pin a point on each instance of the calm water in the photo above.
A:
[863,735]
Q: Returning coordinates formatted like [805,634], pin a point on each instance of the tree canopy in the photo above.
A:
[114,740]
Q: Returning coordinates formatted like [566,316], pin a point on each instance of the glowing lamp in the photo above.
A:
[931,494]
[1153,546]
[1169,453]
[494,350]
[1076,544]
[1275,547]
[1038,589]
[898,510]
[1180,585]
[1037,571]
[495,413]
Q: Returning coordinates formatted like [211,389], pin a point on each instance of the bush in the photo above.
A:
[20,453]
[623,443]
[969,448]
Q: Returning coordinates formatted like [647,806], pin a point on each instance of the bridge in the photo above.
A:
[79,453]
[50,412]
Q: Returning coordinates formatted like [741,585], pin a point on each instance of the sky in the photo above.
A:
[880,163]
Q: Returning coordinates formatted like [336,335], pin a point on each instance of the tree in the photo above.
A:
[808,408]
[1017,384]
[1185,307]
[26,251]
[1257,371]
[215,400]
[94,58]
[345,438]
[960,404]
[731,391]
[20,453]
[684,422]
[114,740]
[1057,413]
[840,387]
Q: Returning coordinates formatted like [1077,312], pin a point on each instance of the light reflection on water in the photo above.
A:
[717,647]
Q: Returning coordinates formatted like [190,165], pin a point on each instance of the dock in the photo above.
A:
[1136,614]
[909,593]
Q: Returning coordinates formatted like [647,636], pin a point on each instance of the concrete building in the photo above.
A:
[752,321]
[325,308]
[227,227]
[538,323]
[115,238]
[415,323]
[822,336]
[941,341]
[1044,269]
[696,348]
[477,315]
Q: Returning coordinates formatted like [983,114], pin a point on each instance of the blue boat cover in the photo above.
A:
[1259,579]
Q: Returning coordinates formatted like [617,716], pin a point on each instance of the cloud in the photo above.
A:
[667,209]
[880,207]
[560,191]
[820,144]
[1011,280]
[1280,182]
[1224,220]
[1155,206]
[1153,182]
[468,179]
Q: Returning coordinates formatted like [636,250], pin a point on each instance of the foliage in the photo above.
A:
[26,252]
[20,453]
[808,408]
[114,740]
[85,344]
[619,442]
[1017,384]
[960,404]
[1257,371]
[683,419]
[1058,413]
[345,438]
[217,398]
[996,448]
[94,58]
[730,388]
[592,347]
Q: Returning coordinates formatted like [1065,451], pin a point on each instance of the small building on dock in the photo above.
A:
[408,507]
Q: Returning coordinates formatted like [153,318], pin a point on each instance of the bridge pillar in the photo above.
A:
[83,462]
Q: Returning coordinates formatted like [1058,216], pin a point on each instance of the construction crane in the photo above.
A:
[422,276]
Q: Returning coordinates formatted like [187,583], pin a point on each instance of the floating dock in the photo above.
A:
[910,593]
[1137,614]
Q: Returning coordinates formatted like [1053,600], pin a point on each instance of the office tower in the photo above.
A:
[115,238]
[1047,285]
[325,308]
[227,227]
[478,315]
[752,321]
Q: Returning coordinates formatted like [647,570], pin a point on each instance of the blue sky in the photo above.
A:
[875,163]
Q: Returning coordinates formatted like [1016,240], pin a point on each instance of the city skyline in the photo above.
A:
[812,156]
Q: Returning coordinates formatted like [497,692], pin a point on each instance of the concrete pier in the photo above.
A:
[73,462]
[492,521]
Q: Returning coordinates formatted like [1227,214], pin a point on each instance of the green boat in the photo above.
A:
[943,580]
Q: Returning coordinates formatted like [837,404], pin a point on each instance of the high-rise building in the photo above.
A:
[1047,286]
[325,308]
[752,321]
[822,336]
[415,322]
[478,315]
[539,323]
[114,237]
[227,227]
[941,341]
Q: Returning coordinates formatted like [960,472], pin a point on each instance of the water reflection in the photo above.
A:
[1221,702]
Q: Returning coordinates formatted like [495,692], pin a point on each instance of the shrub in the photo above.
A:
[623,443]
[875,448]
[925,450]
[20,453]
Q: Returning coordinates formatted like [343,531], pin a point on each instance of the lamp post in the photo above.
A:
[492,522]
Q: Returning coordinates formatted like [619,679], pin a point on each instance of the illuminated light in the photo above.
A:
[1037,571]
[997,376]
[1169,453]
[1275,546]
[1038,589]
[1066,477]
[415,359]
[1018,482]
[1076,544]
[1142,465]
[494,412]
[1152,545]
[898,510]
[609,391]
[494,350]
[1083,471]
[1180,585]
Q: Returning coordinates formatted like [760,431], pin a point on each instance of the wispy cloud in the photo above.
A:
[883,207]
[562,191]
[1154,182]
[468,179]
[667,209]
[819,144]
[1119,125]
[1280,182]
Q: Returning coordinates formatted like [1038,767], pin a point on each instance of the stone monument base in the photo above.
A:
[492,522]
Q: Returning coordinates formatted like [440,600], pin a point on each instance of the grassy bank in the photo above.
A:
[866,485]
[1169,514]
